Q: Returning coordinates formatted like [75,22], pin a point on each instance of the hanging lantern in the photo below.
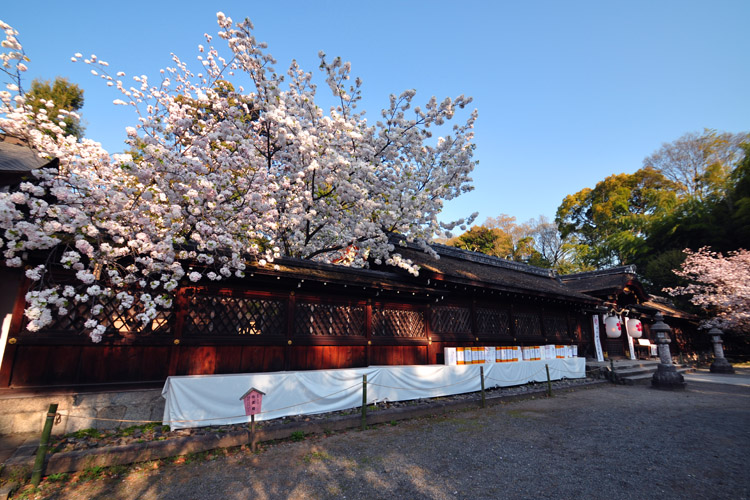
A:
[635,328]
[612,326]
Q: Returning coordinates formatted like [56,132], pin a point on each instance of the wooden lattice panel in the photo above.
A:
[243,316]
[448,319]
[118,322]
[397,323]
[556,327]
[492,322]
[528,326]
[328,319]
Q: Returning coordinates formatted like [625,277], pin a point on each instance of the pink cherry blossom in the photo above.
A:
[719,284]
[222,175]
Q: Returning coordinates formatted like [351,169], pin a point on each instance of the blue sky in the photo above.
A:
[567,92]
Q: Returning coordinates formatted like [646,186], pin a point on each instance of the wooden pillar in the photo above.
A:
[16,322]
[291,306]
[431,347]
[513,327]
[474,332]
[542,326]
[183,304]
[368,330]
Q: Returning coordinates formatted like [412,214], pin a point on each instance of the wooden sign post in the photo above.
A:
[253,400]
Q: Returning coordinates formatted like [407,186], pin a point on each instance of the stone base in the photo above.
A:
[721,365]
[667,377]
[100,410]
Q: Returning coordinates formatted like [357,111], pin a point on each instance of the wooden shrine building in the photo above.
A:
[302,315]
[621,293]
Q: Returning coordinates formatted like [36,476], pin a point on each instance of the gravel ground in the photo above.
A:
[91,438]
[614,442]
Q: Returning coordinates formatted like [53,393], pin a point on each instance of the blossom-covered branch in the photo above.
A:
[720,285]
[218,174]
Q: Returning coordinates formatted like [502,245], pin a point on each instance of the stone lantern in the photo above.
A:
[666,376]
[720,364]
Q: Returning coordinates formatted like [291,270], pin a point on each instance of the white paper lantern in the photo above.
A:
[612,326]
[635,329]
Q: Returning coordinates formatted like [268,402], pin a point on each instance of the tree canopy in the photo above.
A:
[612,219]
[699,164]
[691,193]
[535,242]
[224,176]
[59,100]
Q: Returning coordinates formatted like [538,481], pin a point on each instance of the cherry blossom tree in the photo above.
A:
[219,175]
[720,285]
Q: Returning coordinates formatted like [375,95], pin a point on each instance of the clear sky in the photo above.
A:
[567,92]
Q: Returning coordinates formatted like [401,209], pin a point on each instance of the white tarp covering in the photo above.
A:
[201,400]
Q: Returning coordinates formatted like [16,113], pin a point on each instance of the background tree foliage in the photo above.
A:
[693,192]
[536,242]
[612,220]
[56,97]
[699,164]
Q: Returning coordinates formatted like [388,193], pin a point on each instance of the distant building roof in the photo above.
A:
[480,270]
[604,281]
[17,161]
[19,158]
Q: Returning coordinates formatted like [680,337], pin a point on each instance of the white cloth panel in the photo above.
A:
[202,400]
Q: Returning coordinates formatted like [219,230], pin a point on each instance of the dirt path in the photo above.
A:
[609,442]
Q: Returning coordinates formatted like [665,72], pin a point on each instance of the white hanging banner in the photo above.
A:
[597,342]
[628,326]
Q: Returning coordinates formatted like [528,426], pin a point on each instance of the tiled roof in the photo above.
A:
[17,158]
[481,270]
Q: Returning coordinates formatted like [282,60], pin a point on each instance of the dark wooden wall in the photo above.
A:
[234,330]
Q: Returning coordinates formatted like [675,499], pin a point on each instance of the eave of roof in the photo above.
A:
[483,271]
[15,158]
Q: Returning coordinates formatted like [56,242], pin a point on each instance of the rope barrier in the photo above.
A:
[102,419]
[359,384]
[518,380]
[418,388]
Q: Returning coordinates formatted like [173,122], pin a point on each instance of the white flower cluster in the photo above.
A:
[223,173]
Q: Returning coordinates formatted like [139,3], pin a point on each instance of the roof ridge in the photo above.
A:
[477,257]
[629,269]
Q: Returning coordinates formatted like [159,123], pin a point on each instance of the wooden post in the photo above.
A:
[364,401]
[549,382]
[41,452]
[252,432]
[481,375]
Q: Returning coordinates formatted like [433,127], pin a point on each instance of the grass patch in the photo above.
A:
[316,456]
[86,433]
[297,436]
[58,478]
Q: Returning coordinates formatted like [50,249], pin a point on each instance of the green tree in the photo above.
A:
[502,237]
[612,220]
[479,239]
[58,98]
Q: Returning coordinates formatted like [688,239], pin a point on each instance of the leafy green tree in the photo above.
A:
[58,98]
[612,220]
[479,239]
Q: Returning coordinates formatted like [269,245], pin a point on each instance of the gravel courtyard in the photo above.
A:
[612,442]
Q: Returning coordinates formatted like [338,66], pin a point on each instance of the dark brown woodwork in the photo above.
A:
[224,330]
